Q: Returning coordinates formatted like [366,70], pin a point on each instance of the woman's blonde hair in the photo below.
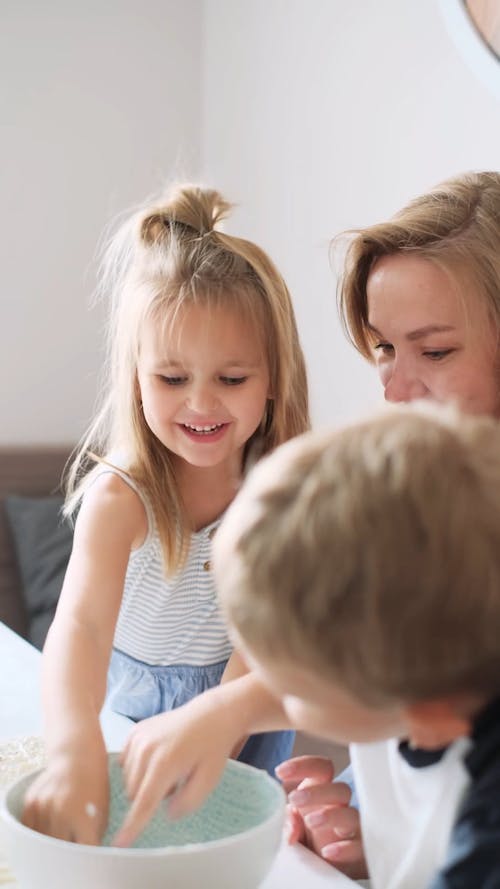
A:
[163,259]
[456,226]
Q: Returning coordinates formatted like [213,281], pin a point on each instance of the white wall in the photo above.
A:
[317,115]
[325,114]
[99,102]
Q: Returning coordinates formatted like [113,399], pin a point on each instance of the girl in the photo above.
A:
[205,374]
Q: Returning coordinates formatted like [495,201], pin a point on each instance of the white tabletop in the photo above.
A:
[20,710]
[20,714]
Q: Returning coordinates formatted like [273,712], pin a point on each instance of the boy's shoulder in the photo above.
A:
[473,857]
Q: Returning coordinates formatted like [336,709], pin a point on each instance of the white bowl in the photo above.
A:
[230,842]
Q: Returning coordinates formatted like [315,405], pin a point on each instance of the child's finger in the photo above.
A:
[192,792]
[148,798]
[90,829]
[65,824]
[135,821]
[135,767]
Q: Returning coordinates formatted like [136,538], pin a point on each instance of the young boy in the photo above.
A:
[360,571]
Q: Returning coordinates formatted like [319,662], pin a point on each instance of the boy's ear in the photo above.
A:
[434,724]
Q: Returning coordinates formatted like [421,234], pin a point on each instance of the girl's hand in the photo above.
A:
[180,755]
[70,798]
[319,815]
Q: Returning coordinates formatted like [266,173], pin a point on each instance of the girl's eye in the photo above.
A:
[173,381]
[437,354]
[384,348]
[233,381]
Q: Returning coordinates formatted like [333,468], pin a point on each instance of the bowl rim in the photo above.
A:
[155,851]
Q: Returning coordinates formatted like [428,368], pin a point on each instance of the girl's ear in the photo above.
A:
[435,724]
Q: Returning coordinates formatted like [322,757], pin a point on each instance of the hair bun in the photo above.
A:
[195,208]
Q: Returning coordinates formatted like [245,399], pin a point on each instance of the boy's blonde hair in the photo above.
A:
[162,260]
[456,226]
[371,556]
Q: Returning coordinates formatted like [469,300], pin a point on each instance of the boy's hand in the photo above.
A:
[181,755]
[70,798]
[319,815]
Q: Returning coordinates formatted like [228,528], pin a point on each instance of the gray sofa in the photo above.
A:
[30,498]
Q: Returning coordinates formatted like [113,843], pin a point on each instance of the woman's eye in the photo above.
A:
[173,381]
[233,381]
[384,348]
[437,354]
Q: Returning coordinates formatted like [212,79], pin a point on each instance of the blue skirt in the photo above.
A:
[139,690]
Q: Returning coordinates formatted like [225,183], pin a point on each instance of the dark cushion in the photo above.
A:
[43,541]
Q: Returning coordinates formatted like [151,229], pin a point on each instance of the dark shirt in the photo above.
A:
[473,857]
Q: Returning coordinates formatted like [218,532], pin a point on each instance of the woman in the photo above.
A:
[420,299]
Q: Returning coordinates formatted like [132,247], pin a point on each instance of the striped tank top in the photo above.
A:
[176,620]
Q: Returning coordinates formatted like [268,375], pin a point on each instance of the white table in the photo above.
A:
[20,714]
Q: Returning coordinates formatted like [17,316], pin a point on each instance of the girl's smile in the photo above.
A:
[205,433]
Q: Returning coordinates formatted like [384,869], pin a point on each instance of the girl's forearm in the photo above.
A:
[73,688]
[258,706]
[249,706]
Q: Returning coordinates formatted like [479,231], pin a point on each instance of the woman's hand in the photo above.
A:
[70,798]
[319,815]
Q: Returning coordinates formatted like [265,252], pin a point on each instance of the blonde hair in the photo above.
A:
[456,226]
[371,556]
[163,259]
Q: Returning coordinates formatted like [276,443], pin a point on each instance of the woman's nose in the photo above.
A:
[403,385]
